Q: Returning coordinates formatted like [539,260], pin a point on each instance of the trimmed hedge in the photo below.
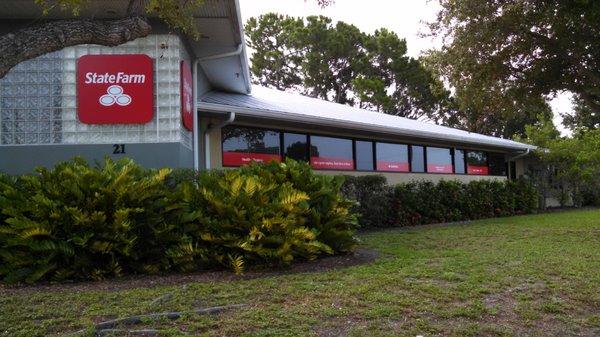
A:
[417,203]
[81,222]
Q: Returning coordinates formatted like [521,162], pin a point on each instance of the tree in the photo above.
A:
[569,165]
[582,117]
[339,63]
[32,41]
[511,55]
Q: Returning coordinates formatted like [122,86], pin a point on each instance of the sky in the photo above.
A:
[405,17]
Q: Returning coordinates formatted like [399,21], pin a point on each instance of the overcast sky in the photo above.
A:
[405,17]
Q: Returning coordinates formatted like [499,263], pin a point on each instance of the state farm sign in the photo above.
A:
[115,89]
[187,93]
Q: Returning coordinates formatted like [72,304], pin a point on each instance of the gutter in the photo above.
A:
[239,51]
[520,155]
[229,120]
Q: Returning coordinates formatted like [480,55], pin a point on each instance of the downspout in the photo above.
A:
[196,127]
[229,120]
[198,61]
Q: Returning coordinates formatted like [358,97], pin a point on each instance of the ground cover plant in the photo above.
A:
[77,221]
[533,275]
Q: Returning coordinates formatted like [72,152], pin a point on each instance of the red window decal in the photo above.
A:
[115,89]
[187,103]
[481,170]
[330,163]
[392,166]
[244,158]
[437,168]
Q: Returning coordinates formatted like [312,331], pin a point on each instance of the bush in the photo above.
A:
[82,222]
[423,202]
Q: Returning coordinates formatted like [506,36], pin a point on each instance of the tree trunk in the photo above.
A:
[31,42]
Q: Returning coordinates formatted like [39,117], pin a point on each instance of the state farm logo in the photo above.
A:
[115,89]
[115,94]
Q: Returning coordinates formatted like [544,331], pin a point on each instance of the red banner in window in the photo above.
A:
[481,170]
[330,163]
[244,158]
[394,166]
[439,168]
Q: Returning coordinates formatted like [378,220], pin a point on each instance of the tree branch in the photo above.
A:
[31,42]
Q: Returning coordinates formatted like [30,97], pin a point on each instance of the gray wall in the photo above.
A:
[24,158]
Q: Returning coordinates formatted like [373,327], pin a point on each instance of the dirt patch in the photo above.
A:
[360,256]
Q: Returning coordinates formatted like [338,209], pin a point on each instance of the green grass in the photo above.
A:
[532,275]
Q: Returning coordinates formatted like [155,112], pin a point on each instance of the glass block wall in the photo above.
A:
[38,102]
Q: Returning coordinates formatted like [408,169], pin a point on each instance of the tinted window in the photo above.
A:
[392,157]
[364,155]
[459,161]
[497,164]
[417,163]
[331,153]
[243,145]
[295,146]
[477,163]
[439,160]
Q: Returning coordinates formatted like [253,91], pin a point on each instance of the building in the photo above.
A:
[167,100]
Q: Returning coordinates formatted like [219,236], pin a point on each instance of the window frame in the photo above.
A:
[427,159]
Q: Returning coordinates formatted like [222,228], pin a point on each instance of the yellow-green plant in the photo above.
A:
[269,214]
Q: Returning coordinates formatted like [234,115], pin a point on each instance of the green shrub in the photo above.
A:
[423,202]
[374,197]
[79,222]
[82,222]
[269,214]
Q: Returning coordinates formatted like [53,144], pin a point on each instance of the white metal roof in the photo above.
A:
[280,105]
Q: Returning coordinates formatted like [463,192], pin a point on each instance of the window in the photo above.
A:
[243,145]
[392,157]
[331,153]
[439,160]
[295,146]
[498,165]
[417,162]
[364,155]
[477,163]
[459,161]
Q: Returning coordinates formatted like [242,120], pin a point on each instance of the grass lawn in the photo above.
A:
[531,275]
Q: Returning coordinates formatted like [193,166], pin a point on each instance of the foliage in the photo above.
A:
[505,57]
[270,214]
[423,202]
[567,165]
[338,62]
[82,222]
[582,117]
[77,222]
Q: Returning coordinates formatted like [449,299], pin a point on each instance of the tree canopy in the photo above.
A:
[340,63]
[505,58]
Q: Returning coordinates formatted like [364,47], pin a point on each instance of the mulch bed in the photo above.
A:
[360,256]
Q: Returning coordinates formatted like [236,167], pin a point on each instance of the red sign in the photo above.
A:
[481,170]
[187,103]
[115,89]
[439,168]
[330,163]
[244,158]
[394,166]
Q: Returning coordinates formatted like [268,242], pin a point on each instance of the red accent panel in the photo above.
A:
[115,89]
[435,168]
[394,166]
[480,170]
[244,158]
[332,163]
[187,93]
